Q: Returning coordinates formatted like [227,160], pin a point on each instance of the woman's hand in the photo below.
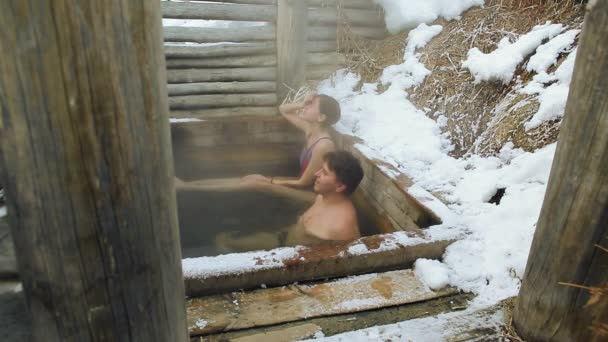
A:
[179,184]
[256,179]
[308,98]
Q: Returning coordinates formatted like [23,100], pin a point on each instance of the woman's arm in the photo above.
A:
[315,164]
[290,112]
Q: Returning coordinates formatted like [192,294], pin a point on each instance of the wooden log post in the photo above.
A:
[87,167]
[574,217]
[291,45]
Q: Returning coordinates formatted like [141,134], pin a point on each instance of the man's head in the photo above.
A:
[322,109]
[341,173]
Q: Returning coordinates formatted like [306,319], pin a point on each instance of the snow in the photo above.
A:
[546,54]
[553,97]
[494,240]
[201,323]
[211,23]
[500,64]
[176,120]
[203,267]
[2,211]
[401,15]
[432,329]
[411,71]
[432,273]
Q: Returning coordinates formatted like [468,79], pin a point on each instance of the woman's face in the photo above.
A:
[311,112]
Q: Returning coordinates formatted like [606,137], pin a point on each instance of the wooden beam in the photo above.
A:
[251,61]
[223,100]
[321,46]
[574,217]
[291,48]
[218,34]
[320,72]
[264,307]
[221,88]
[311,3]
[222,62]
[331,58]
[219,11]
[241,49]
[324,33]
[224,112]
[354,17]
[219,50]
[87,169]
[221,75]
[312,263]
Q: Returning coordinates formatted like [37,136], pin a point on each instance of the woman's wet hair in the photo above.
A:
[329,107]
[346,167]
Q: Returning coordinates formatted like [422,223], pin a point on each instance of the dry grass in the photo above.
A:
[474,124]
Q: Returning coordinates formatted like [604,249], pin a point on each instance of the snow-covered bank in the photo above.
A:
[490,258]
[406,14]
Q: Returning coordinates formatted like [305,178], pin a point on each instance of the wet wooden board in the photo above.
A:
[240,310]
[296,333]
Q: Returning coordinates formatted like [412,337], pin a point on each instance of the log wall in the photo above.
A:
[223,71]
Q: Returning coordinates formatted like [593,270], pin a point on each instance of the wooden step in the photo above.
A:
[241,310]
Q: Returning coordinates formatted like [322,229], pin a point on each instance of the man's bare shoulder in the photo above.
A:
[346,226]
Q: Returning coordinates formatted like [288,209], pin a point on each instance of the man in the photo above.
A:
[332,216]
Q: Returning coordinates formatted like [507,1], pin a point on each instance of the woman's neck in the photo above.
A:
[317,130]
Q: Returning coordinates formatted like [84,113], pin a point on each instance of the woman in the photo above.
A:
[316,115]
[313,117]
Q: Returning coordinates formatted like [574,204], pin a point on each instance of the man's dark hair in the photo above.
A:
[346,167]
[329,107]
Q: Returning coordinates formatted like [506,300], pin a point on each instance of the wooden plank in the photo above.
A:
[239,49]
[319,72]
[221,88]
[311,3]
[325,33]
[87,169]
[311,263]
[297,333]
[219,50]
[354,17]
[218,34]
[224,112]
[321,46]
[219,11]
[222,100]
[221,75]
[331,58]
[222,62]
[291,48]
[265,307]
[313,58]
[574,216]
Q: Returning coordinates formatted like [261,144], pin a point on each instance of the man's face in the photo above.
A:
[326,181]
[311,111]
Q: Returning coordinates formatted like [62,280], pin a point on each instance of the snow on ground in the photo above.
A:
[489,259]
[2,211]
[500,64]
[553,97]
[401,15]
